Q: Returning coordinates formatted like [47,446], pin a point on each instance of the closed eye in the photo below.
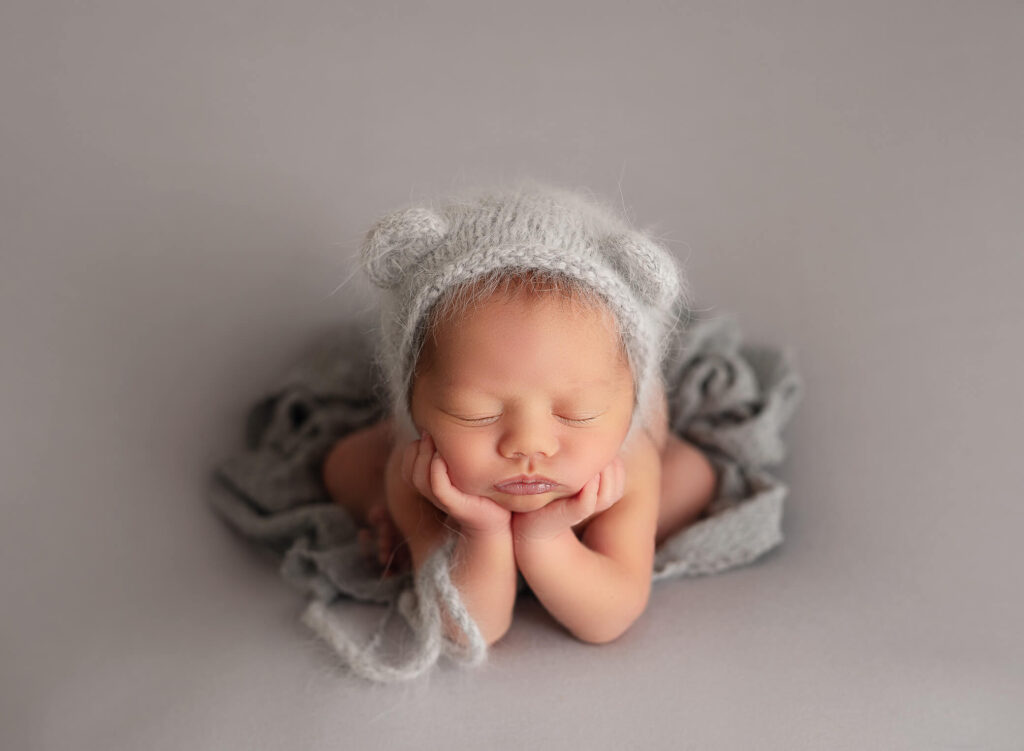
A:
[479,420]
[489,419]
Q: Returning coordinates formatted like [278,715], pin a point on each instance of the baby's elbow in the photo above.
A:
[609,629]
[597,635]
[597,638]
[491,631]
[494,635]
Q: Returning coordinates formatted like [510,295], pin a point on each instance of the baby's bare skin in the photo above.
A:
[354,475]
[524,404]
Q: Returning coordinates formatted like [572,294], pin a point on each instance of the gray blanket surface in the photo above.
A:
[727,397]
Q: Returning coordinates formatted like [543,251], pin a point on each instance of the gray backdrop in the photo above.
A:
[182,188]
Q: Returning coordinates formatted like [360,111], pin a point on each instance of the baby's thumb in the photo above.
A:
[440,483]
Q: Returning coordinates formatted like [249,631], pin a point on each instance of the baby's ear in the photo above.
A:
[647,267]
[398,241]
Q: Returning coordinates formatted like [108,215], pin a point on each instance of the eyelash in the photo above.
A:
[492,418]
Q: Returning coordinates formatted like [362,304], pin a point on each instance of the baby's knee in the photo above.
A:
[353,469]
[689,460]
[688,474]
[689,483]
[335,462]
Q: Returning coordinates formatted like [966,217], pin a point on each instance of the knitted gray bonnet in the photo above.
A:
[416,254]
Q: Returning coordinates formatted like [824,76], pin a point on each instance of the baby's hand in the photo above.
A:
[425,469]
[601,492]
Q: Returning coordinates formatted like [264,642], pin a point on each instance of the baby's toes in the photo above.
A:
[394,554]
[381,542]
[377,515]
[400,561]
[385,542]
[367,545]
[397,561]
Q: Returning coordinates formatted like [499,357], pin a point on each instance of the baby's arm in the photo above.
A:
[599,586]
[424,505]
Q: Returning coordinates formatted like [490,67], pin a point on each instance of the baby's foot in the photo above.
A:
[381,542]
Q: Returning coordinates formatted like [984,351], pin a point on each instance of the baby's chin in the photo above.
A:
[524,504]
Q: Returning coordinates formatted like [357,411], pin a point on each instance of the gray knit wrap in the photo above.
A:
[417,253]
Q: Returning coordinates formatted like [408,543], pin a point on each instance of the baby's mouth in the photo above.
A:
[525,485]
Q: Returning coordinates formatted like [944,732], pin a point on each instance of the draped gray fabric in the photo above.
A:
[729,398]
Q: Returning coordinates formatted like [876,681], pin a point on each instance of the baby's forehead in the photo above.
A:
[592,329]
[465,371]
[539,304]
[554,316]
[464,380]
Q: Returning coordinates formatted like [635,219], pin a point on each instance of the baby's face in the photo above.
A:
[525,387]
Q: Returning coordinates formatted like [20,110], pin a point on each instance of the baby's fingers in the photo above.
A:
[570,511]
[612,485]
[585,502]
[447,494]
[418,457]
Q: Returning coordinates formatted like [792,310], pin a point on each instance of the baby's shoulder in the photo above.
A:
[646,438]
[638,507]
[641,457]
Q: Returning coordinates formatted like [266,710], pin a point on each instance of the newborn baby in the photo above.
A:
[522,337]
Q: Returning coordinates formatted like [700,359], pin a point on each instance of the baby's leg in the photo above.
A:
[688,485]
[688,479]
[353,473]
[354,469]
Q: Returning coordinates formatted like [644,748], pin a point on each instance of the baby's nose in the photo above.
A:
[527,438]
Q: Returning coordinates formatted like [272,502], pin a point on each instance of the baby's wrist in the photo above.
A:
[483,533]
[486,547]
[525,533]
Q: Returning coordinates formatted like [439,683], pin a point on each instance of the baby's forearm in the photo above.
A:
[591,594]
[483,567]
[484,572]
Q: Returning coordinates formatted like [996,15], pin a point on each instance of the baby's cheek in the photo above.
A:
[464,469]
[598,455]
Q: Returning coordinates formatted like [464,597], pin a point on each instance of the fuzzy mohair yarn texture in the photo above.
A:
[729,397]
[418,253]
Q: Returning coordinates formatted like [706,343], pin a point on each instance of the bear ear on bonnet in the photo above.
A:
[647,267]
[397,241]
